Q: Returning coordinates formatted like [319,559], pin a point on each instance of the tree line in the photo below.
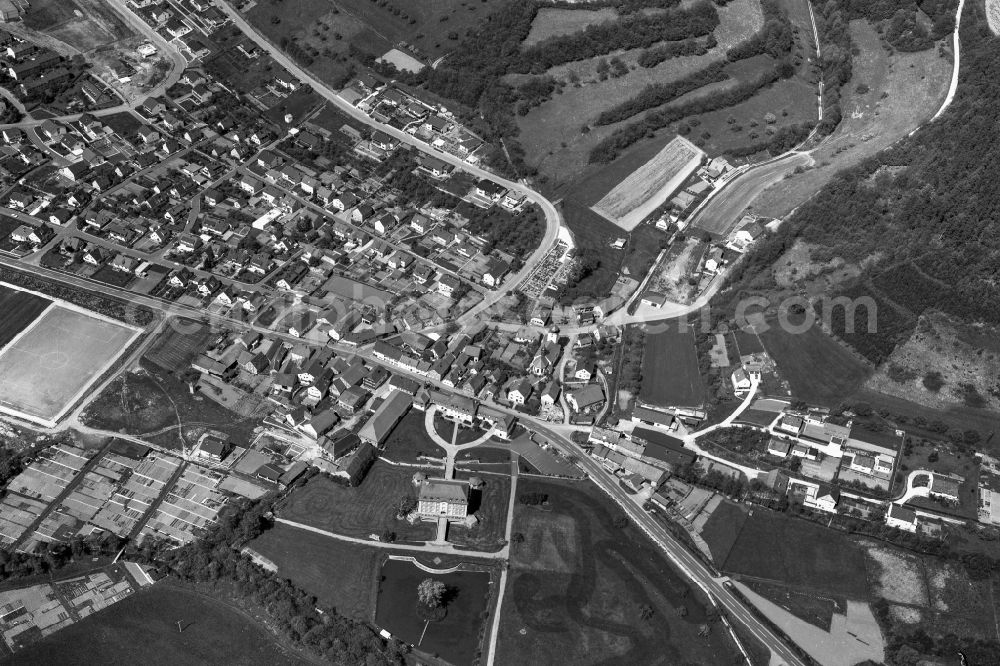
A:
[658,94]
[631,32]
[774,38]
[654,55]
[612,146]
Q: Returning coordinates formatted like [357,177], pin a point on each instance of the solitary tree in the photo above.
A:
[430,592]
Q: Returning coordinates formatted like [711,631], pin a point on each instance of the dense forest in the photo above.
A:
[933,196]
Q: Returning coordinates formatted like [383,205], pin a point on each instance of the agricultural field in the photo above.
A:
[409,442]
[143,629]
[578,585]
[722,529]
[179,343]
[84,25]
[455,638]
[670,367]
[153,403]
[647,188]
[340,574]
[551,132]
[887,97]
[358,512]
[40,379]
[819,369]
[20,310]
[782,549]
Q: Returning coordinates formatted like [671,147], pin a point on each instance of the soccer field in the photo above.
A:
[50,364]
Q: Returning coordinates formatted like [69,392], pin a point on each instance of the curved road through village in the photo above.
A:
[729,201]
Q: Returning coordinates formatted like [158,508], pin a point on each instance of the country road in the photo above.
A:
[722,211]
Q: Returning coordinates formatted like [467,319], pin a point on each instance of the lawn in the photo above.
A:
[578,585]
[819,370]
[115,278]
[409,441]
[782,549]
[358,512]
[490,505]
[815,609]
[446,430]
[340,574]
[19,309]
[670,367]
[143,629]
[150,401]
[644,245]
[457,637]
[722,529]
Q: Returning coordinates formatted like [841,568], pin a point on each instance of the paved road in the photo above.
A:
[553,220]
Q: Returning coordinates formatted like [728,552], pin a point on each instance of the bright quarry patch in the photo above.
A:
[55,359]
